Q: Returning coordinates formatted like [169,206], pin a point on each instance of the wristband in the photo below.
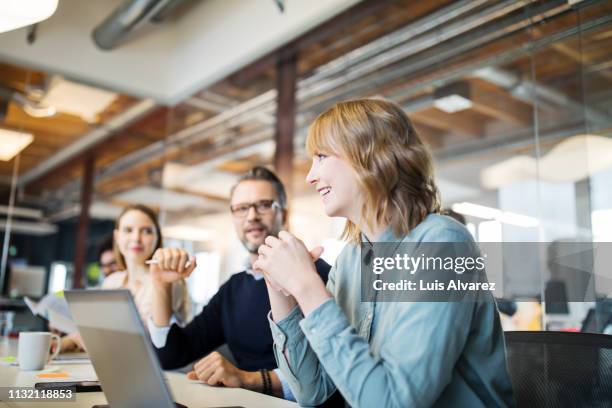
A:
[267,381]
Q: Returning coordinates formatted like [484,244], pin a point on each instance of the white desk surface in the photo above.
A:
[190,393]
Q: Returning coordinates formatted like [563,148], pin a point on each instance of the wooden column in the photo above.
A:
[286,76]
[80,252]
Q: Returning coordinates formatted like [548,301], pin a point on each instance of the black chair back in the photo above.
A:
[560,369]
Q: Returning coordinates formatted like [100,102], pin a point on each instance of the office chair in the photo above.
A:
[560,369]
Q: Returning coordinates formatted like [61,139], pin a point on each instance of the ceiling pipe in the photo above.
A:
[382,68]
[125,19]
[264,103]
[34,108]
[382,45]
[172,9]
[29,227]
[527,90]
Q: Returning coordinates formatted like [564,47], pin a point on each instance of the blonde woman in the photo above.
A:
[370,167]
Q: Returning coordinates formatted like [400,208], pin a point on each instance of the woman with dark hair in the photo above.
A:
[370,166]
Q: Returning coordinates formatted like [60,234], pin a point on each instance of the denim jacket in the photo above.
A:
[395,354]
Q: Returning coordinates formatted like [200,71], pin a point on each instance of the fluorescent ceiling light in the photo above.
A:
[453,103]
[476,210]
[21,212]
[12,142]
[453,97]
[489,213]
[29,228]
[77,99]
[20,13]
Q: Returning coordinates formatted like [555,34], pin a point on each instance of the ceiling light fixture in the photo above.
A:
[39,110]
[453,98]
[15,14]
[489,213]
[281,5]
[77,99]
[453,103]
[32,103]
[12,142]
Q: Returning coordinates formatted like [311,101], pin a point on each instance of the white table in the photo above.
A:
[190,393]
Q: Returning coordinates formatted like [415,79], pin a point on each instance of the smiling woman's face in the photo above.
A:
[136,237]
[336,182]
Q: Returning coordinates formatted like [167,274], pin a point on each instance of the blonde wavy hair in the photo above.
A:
[394,167]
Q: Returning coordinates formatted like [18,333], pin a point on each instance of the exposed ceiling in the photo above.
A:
[512,61]
[170,60]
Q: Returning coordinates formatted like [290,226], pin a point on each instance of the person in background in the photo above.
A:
[106,257]
[236,314]
[137,235]
[370,166]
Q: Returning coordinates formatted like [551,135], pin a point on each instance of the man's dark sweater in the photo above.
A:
[236,315]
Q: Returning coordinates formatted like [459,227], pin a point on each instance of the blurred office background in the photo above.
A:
[513,97]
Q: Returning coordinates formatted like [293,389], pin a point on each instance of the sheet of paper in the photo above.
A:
[32,304]
[61,322]
[55,310]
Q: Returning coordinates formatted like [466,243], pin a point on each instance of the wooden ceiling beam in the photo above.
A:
[501,106]
[574,54]
[285,117]
[18,78]
[61,124]
[431,136]
[451,123]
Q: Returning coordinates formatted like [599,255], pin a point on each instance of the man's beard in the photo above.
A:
[254,247]
[250,246]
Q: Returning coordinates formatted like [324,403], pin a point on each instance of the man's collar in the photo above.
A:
[250,271]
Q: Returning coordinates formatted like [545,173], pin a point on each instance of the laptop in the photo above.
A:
[119,348]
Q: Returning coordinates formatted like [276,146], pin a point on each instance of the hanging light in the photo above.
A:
[15,14]
[12,142]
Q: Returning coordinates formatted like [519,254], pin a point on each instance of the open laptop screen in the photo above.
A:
[119,348]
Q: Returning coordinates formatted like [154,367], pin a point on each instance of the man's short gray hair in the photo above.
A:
[262,173]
